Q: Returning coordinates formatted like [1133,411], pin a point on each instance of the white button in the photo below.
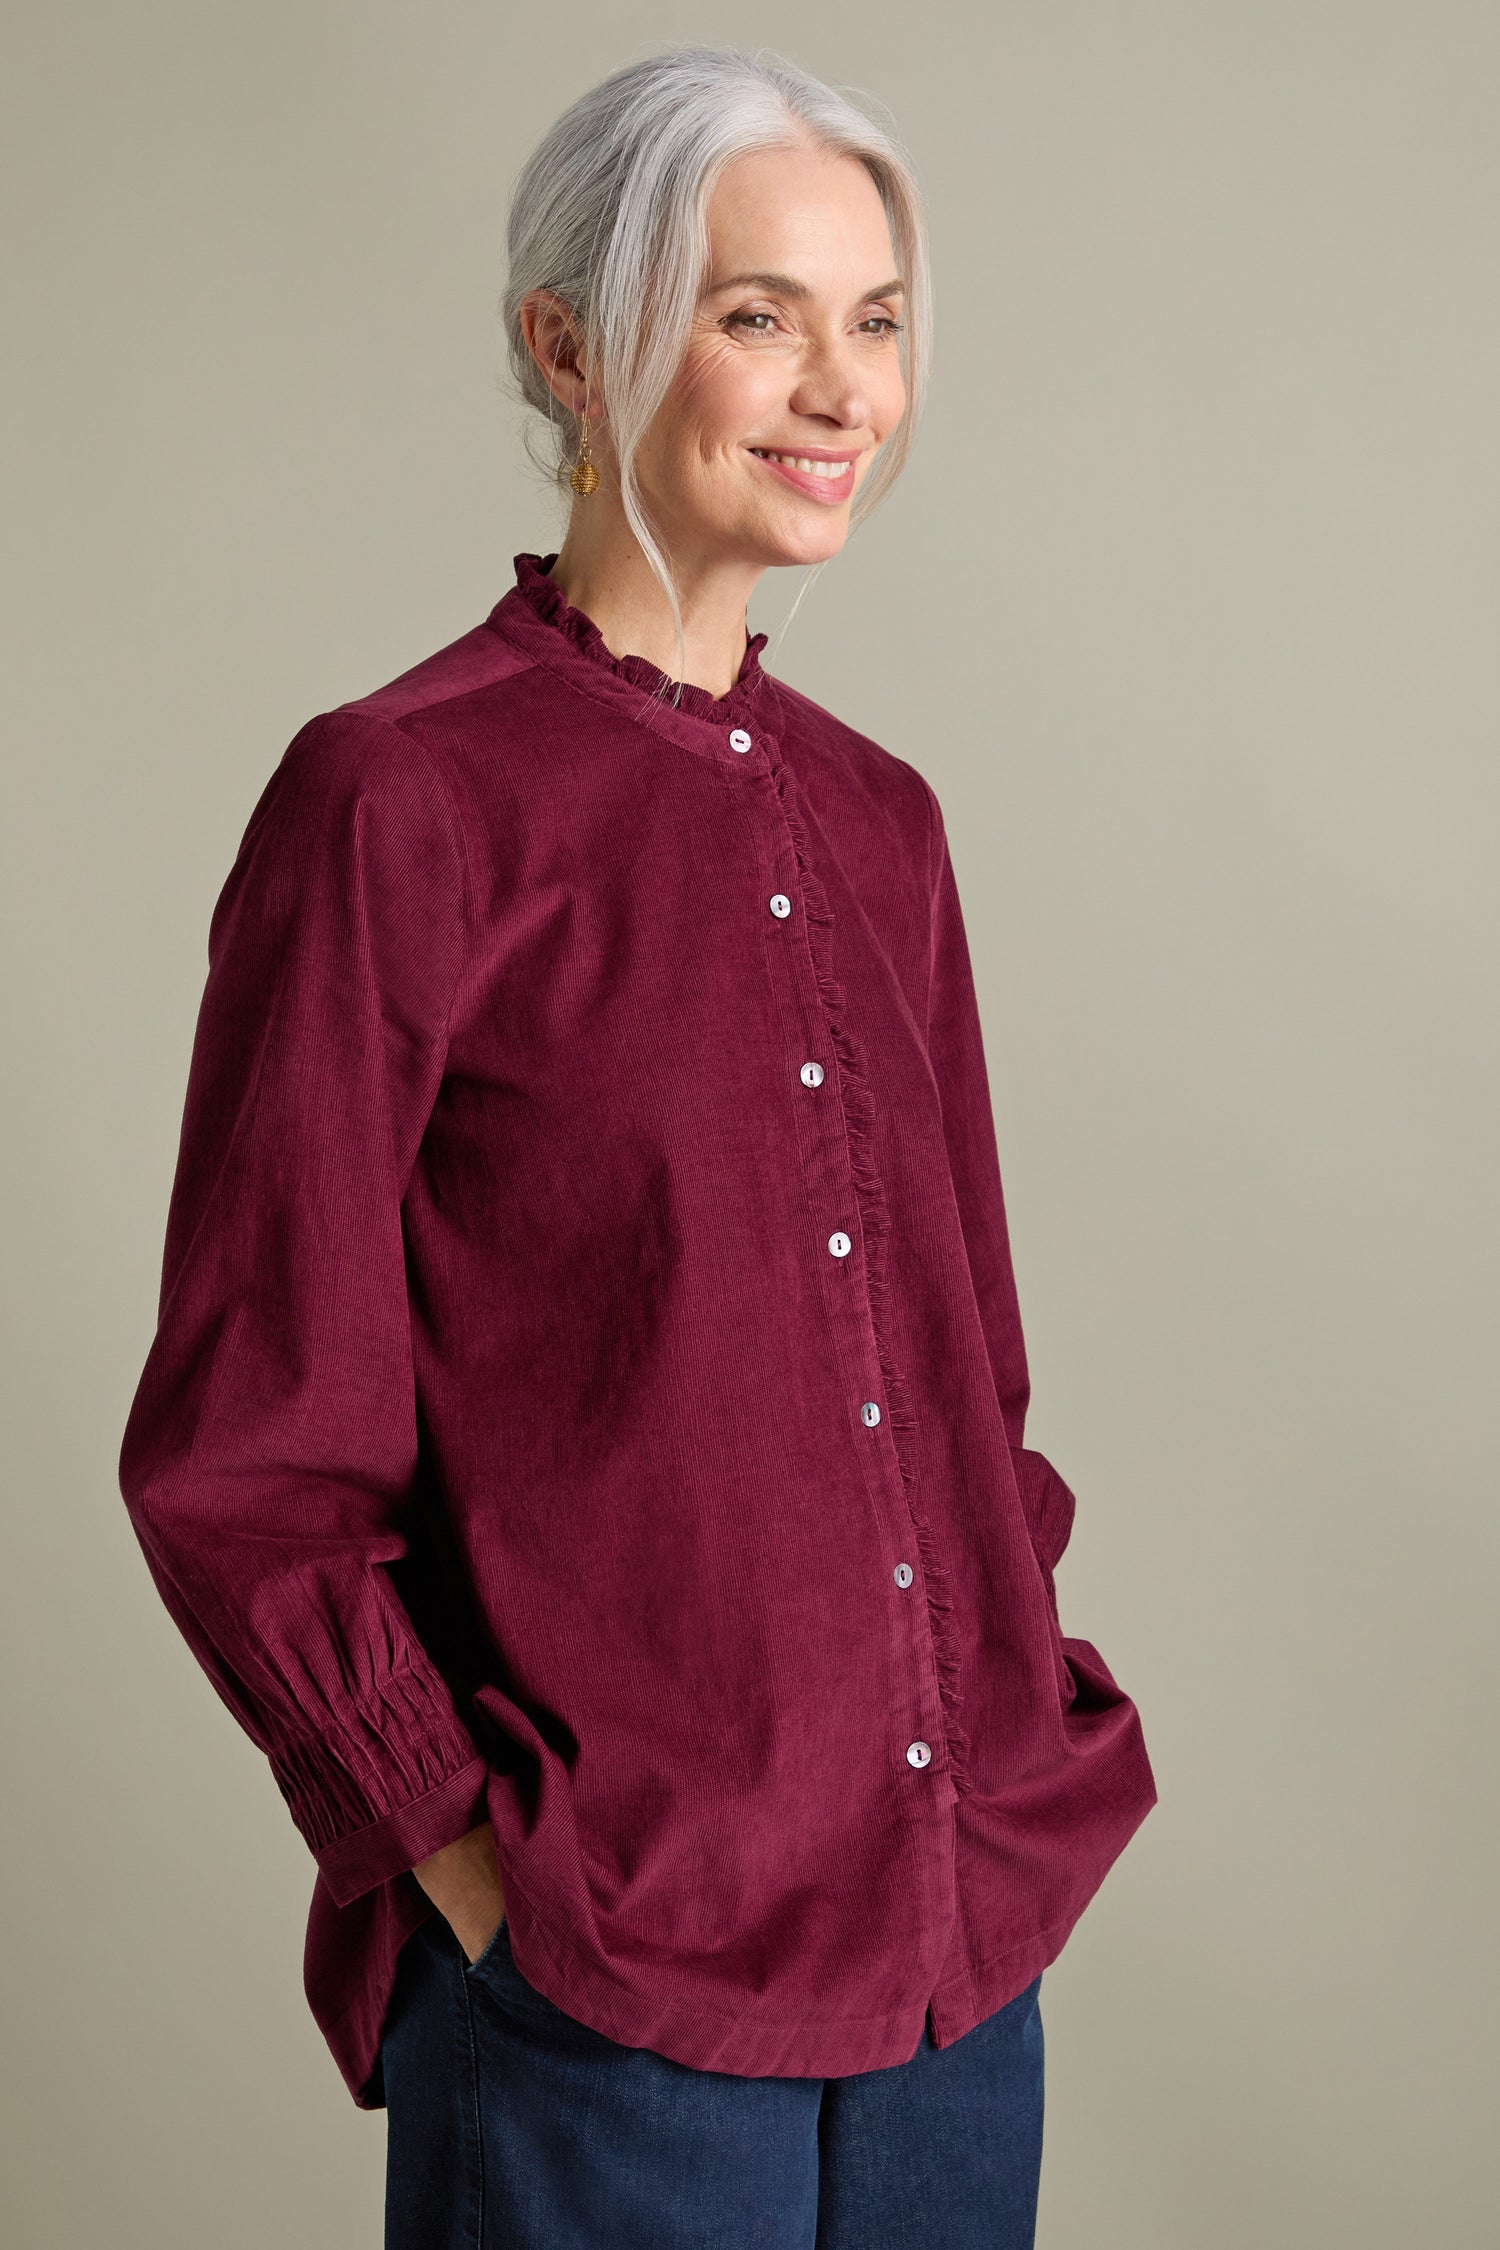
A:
[869,1414]
[812,1074]
[918,1754]
[902,1574]
[781,905]
[739,740]
[840,1245]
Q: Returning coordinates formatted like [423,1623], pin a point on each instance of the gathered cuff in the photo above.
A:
[357,1790]
[389,1847]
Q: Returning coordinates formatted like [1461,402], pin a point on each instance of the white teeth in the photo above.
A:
[808,468]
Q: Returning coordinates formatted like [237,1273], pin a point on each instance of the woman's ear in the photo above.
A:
[552,334]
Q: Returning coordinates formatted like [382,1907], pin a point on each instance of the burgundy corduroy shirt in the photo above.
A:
[589,1388]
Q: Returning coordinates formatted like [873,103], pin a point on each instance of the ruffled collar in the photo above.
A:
[546,598]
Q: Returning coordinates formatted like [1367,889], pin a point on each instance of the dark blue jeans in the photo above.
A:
[510,2124]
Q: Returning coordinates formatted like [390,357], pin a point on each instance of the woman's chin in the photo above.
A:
[793,543]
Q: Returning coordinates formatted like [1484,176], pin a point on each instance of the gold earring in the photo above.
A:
[585,477]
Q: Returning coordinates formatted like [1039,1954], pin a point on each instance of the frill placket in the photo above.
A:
[857,1103]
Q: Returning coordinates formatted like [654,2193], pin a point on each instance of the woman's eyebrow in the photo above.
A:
[786,285]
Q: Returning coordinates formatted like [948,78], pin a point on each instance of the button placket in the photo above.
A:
[852,1315]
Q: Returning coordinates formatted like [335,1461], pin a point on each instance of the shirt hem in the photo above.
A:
[703,2038]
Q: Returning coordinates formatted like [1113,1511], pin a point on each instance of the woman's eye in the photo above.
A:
[876,323]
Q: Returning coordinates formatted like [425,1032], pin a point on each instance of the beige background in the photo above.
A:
[1187,607]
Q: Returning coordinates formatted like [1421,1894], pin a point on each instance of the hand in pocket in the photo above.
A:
[463,1882]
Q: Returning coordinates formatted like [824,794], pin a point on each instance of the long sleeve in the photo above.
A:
[956,1049]
[273,1435]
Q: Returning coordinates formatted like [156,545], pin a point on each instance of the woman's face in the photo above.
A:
[800,359]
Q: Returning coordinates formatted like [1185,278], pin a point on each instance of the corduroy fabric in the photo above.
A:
[503,1447]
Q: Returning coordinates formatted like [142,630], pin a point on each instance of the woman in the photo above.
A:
[582,1440]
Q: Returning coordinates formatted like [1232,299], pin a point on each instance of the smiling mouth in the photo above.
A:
[807,463]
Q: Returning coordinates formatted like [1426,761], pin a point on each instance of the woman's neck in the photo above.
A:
[610,580]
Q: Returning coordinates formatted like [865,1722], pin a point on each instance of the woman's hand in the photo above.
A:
[463,1882]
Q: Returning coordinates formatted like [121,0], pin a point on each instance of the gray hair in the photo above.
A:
[609,211]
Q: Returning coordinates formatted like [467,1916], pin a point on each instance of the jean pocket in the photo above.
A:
[499,1936]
